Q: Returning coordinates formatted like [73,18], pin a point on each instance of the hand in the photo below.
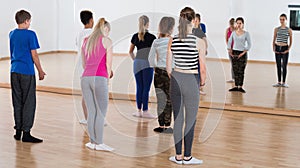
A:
[42,75]
[285,52]
[230,53]
[169,74]
[111,74]
[240,55]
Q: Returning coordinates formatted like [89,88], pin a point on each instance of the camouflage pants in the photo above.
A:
[162,90]
[239,65]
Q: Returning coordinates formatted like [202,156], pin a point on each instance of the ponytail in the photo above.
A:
[94,37]
[143,21]
[186,16]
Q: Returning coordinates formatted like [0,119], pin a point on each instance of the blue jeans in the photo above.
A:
[143,76]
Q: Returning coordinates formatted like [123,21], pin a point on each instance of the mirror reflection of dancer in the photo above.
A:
[241,45]
[157,59]
[86,18]
[228,33]
[97,63]
[187,50]
[143,73]
[281,48]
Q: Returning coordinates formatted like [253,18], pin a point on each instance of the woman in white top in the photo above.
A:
[238,52]
[157,59]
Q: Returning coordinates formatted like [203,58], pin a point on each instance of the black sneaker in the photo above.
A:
[234,89]
[18,134]
[158,129]
[242,90]
[27,137]
[168,130]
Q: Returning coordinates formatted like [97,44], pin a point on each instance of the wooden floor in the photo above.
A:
[239,140]
[62,77]
[234,137]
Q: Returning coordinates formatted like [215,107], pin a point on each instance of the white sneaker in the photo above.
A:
[277,85]
[173,159]
[193,161]
[84,121]
[285,85]
[103,147]
[90,145]
[105,124]
[230,81]
[147,114]
[202,92]
[137,114]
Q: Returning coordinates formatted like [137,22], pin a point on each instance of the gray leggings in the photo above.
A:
[184,90]
[95,94]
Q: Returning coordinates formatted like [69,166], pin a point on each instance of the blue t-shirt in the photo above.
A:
[22,41]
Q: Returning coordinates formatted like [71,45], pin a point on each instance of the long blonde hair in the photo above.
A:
[98,31]
[143,21]
[187,14]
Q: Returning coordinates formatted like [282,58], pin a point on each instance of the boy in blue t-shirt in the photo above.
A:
[23,54]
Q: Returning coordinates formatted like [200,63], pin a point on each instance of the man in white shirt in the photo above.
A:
[87,20]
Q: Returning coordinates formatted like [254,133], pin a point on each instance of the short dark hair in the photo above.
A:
[231,21]
[198,16]
[240,19]
[283,15]
[86,16]
[22,16]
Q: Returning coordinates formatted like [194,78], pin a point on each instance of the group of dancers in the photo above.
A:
[176,62]
[238,44]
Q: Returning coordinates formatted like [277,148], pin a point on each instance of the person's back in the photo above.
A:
[21,43]
[23,46]
[160,47]
[86,18]
[143,46]
[95,64]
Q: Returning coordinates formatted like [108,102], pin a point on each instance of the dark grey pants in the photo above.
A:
[24,100]
[184,90]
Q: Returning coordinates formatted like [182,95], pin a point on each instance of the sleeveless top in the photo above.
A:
[95,64]
[282,35]
[229,32]
[185,52]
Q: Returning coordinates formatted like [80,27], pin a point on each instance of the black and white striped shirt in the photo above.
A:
[185,52]
[282,35]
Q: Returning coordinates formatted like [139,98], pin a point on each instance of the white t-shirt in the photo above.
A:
[79,40]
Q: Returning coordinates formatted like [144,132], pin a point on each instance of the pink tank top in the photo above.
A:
[95,64]
[229,34]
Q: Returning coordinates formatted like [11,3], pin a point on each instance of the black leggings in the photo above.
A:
[281,62]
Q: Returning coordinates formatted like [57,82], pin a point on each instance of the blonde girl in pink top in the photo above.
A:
[97,63]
